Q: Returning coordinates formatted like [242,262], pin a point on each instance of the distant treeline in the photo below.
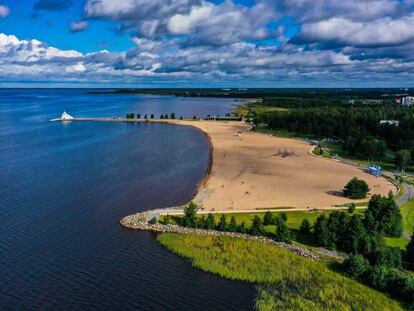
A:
[277,95]
[357,128]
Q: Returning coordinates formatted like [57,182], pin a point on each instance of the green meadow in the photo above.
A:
[284,281]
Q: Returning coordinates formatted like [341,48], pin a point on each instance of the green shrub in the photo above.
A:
[356,189]
[153,221]
[351,208]
[356,265]
[284,216]
[167,219]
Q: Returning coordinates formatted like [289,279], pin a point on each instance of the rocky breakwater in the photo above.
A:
[138,222]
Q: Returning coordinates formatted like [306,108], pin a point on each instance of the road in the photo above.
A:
[408,194]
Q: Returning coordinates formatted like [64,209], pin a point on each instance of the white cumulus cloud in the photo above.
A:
[4,11]
[78,26]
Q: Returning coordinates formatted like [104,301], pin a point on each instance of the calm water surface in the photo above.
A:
[64,187]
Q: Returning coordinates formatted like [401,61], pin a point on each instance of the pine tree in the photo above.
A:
[242,228]
[222,225]
[232,227]
[257,226]
[268,219]
[305,226]
[190,213]
[283,233]
[210,223]
[320,230]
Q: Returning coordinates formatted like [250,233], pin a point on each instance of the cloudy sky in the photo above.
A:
[182,43]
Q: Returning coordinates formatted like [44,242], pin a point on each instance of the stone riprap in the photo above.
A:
[138,222]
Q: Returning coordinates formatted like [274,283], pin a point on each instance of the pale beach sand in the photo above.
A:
[246,174]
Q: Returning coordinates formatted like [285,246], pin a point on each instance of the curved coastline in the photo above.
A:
[245,173]
[205,189]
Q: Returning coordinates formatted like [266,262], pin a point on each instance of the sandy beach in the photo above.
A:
[249,172]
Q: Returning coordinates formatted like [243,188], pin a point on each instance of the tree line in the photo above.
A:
[152,116]
[357,128]
[362,237]
[257,227]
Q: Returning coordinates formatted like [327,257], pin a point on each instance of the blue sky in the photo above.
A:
[279,43]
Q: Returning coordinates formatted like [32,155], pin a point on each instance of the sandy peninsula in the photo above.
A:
[249,172]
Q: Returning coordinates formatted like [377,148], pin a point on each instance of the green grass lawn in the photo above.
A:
[396,242]
[407,211]
[257,108]
[295,218]
[285,281]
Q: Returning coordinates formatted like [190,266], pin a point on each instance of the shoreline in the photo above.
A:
[217,164]
[245,174]
[137,222]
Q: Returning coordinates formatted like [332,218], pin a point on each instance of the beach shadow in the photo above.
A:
[336,193]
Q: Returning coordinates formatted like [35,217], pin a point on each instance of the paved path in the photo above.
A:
[158,212]
[408,194]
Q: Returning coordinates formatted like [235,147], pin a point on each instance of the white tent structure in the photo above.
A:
[66,116]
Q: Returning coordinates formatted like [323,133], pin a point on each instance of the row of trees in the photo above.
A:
[257,227]
[358,128]
[152,116]
[357,234]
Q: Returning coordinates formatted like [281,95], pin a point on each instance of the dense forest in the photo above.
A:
[278,95]
[356,127]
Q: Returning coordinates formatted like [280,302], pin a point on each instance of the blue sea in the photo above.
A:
[65,186]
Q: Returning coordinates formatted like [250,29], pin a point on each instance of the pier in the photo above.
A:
[97,120]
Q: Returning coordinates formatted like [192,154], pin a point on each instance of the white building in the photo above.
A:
[390,122]
[407,101]
[66,116]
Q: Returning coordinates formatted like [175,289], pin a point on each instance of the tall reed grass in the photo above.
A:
[285,281]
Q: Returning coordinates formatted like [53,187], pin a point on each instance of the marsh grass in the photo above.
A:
[284,280]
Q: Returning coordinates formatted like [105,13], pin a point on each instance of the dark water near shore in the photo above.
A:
[64,187]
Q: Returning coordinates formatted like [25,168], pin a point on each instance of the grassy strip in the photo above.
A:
[255,108]
[396,242]
[285,281]
[407,211]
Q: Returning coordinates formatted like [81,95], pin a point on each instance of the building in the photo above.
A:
[66,116]
[407,101]
[390,122]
